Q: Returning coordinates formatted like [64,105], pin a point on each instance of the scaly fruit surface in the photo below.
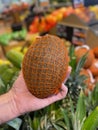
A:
[45,66]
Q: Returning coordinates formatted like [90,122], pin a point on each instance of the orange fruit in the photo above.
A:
[96,79]
[95,50]
[89,81]
[85,73]
[94,67]
[90,56]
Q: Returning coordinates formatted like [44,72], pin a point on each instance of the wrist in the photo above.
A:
[8,109]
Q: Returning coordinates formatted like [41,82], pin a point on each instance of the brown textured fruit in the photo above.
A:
[89,81]
[95,50]
[96,79]
[45,66]
[90,56]
[85,73]
[94,67]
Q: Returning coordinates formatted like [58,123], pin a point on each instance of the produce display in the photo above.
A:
[15,57]
[95,10]
[44,61]
[48,21]
[80,105]
[91,61]
[94,67]
[95,50]
[90,68]
[45,23]
[18,35]
[80,51]
[89,81]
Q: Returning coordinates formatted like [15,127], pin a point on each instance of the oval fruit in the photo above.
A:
[45,66]
[90,56]
[94,67]
[95,50]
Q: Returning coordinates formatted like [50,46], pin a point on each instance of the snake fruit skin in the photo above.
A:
[45,66]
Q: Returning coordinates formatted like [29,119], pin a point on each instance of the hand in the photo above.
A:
[26,102]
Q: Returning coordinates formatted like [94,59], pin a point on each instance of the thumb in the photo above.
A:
[62,94]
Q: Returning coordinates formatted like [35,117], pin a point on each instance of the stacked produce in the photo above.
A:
[94,67]
[45,23]
[76,112]
[90,67]
[48,21]
[9,69]
[94,9]
[5,39]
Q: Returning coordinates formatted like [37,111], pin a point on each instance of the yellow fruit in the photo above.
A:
[17,48]
[4,62]
[25,50]
[45,66]
[1,62]
[7,62]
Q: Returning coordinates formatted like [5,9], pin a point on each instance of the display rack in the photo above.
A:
[76,31]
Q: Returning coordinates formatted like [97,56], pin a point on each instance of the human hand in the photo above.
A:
[19,100]
[26,102]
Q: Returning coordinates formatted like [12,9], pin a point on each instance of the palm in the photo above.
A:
[27,102]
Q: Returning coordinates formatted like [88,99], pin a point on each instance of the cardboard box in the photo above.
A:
[75,30]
